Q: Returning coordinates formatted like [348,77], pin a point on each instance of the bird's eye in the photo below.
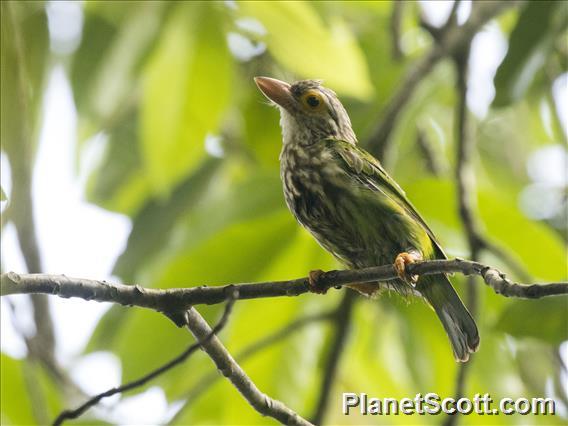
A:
[313,100]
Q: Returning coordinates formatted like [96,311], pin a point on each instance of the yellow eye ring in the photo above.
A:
[312,100]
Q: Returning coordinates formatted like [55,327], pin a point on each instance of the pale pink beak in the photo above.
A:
[275,90]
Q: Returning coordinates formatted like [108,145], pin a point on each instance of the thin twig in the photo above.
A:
[279,335]
[450,41]
[432,159]
[73,414]
[342,324]
[236,375]
[395,24]
[464,171]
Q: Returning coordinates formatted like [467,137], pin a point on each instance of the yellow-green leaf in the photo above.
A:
[299,39]
[185,90]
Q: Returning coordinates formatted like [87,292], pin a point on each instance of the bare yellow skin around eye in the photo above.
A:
[313,101]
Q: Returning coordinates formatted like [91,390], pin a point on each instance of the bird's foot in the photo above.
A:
[314,282]
[403,259]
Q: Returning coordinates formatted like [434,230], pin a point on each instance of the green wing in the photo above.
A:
[369,172]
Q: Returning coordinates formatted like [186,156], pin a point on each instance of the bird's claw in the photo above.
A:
[314,282]
[403,259]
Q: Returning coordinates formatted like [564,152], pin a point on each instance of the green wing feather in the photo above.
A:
[371,173]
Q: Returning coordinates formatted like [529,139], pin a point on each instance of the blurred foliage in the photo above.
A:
[191,156]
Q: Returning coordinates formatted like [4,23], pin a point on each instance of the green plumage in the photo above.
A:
[354,209]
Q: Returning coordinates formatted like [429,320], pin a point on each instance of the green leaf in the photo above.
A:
[530,42]
[532,243]
[251,198]
[299,40]
[115,55]
[24,51]
[19,403]
[104,76]
[186,87]
[3,196]
[545,319]
[537,363]
[261,131]
[96,40]
[145,332]
[152,226]
[117,184]
[234,255]
[16,405]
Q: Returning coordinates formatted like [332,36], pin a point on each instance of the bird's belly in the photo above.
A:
[358,227]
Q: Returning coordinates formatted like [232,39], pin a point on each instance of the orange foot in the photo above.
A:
[403,259]
[315,283]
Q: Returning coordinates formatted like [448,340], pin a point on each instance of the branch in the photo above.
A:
[209,379]
[464,171]
[175,300]
[432,160]
[73,414]
[20,153]
[236,375]
[466,200]
[343,316]
[395,24]
[452,39]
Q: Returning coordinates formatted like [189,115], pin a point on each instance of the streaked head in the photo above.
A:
[309,111]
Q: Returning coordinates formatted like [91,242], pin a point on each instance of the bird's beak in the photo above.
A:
[275,90]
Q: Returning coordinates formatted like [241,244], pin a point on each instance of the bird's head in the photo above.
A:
[309,112]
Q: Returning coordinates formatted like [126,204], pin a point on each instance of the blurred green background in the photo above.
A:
[172,134]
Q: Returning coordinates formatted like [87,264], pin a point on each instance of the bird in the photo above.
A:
[344,197]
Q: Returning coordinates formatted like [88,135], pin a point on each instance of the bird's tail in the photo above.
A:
[456,319]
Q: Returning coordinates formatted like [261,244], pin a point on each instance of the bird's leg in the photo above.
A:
[403,259]
[314,282]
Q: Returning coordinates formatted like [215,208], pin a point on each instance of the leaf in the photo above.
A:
[17,376]
[545,319]
[97,37]
[234,255]
[145,332]
[530,43]
[117,184]
[299,40]
[24,50]
[532,243]
[261,131]
[537,363]
[153,224]
[3,196]
[104,76]
[16,405]
[186,87]
[114,55]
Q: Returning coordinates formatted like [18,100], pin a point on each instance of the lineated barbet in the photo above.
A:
[342,195]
